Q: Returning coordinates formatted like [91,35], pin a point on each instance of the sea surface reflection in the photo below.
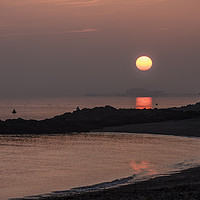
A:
[143,167]
[143,102]
[32,165]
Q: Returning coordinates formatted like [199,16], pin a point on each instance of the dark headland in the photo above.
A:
[182,121]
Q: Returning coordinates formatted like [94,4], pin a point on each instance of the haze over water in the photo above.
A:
[32,165]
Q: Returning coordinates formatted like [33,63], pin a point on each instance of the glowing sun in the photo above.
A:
[144,63]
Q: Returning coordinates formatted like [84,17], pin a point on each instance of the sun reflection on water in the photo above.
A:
[143,167]
[144,102]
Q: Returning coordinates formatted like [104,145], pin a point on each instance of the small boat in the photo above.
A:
[14,111]
[156,104]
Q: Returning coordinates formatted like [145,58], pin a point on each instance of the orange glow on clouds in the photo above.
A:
[143,102]
[144,63]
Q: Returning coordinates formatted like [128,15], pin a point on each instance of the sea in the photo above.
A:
[33,165]
[51,165]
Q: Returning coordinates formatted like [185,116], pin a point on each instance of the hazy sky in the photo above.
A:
[64,47]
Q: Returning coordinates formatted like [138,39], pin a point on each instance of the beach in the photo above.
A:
[187,127]
[184,185]
[178,186]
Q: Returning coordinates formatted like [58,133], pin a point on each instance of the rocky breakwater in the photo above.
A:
[86,120]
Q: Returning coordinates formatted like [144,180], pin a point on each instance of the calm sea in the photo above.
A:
[32,165]
[49,107]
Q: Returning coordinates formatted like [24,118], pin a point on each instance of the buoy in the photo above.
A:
[14,111]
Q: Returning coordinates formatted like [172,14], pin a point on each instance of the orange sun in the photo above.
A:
[144,63]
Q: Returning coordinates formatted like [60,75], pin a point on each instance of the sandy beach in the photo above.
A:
[187,127]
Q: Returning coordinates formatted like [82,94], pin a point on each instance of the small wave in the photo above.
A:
[185,164]
[106,184]
[78,190]
[15,145]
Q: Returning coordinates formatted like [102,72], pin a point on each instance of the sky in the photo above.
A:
[73,47]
